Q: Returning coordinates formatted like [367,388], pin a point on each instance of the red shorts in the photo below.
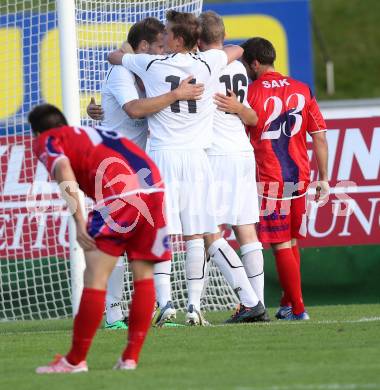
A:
[135,225]
[282,220]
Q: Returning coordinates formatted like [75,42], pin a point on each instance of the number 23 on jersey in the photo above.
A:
[284,117]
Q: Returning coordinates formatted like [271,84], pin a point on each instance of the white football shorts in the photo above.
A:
[190,206]
[235,188]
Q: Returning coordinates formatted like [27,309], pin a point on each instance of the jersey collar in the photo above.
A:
[270,75]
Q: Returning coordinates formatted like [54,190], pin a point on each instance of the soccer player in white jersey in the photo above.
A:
[179,136]
[232,160]
[120,92]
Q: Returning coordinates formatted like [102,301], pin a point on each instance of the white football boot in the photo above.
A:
[195,318]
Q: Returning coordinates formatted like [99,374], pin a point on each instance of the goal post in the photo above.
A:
[71,107]
[36,235]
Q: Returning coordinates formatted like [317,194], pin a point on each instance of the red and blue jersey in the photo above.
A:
[286,110]
[106,165]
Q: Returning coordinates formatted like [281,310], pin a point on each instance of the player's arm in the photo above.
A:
[233,52]
[68,184]
[231,105]
[139,108]
[317,129]
[320,148]
[116,57]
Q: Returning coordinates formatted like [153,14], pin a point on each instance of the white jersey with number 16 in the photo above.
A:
[229,131]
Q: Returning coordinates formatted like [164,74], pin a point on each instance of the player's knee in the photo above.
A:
[142,269]
[210,238]
[281,245]
[245,234]
[193,237]
[95,279]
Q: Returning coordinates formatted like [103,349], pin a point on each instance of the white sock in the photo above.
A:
[195,266]
[162,272]
[232,269]
[114,293]
[253,260]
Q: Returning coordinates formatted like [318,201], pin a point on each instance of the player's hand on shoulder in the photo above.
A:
[228,103]
[95,111]
[83,238]
[322,190]
[187,90]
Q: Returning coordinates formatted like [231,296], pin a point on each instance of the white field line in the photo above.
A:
[272,323]
[29,332]
[364,319]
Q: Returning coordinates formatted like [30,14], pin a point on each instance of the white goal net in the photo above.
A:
[34,243]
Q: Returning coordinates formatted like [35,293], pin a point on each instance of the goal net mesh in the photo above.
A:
[34,247]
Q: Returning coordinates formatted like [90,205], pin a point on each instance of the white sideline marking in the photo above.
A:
[364,319]
[6,333]
[327,386]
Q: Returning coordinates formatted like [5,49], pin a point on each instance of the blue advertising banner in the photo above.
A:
[286,23]
[30,60]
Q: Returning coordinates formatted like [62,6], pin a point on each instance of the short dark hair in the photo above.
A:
[212,27]
[186,26]
[259,49]
[145,30]
[45,117]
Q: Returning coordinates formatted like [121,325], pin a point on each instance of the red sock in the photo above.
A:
[140,317]
[290,280]
[285,299]
[86,323]
[296,254]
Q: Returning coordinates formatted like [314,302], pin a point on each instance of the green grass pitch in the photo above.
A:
[339,349]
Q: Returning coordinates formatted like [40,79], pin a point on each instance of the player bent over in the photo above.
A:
[180,134]
[287,111]
[233,164]
[128,217]
[125,110]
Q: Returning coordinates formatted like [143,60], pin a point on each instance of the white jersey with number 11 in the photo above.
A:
[184,124]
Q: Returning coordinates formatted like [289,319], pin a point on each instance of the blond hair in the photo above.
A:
[212,28]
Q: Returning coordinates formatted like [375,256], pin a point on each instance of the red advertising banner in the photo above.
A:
[33,221]
[33,218]
[352,214]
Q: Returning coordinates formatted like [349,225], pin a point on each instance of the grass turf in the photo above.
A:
[337,349]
